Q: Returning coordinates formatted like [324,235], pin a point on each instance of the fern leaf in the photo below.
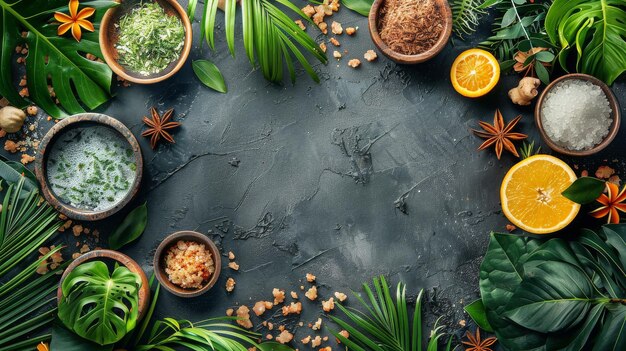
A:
[466,15]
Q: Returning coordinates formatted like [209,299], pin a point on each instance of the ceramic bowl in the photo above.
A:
[615,114]
[109,35]
[442,6]
[46,144]
[159,263]
[144,291]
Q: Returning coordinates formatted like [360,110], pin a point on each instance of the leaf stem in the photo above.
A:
[521,24]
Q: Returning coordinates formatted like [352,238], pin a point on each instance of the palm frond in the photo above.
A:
[466,15]
[386,325]
[25,302]
[271,39]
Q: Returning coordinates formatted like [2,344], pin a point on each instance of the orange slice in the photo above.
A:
[531,195]
[474,73]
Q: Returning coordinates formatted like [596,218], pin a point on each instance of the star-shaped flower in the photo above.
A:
[158,126]
[499,134]
[613,202]
[475,344]
[75,20]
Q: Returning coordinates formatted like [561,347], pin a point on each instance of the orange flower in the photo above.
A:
[75,20]
[43,347]
[612,201]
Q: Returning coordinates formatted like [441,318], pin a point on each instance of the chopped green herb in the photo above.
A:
[149,39]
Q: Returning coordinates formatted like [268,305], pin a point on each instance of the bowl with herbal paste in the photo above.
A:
[146,41]
[89,166]
[577,115]
[410,31]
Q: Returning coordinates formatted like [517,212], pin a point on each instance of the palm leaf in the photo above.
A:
[466,15]
[25,224]
[271,39]
[78,83]
[385,326]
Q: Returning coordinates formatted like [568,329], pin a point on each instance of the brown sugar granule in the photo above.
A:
[317,341]
[306,340]
[323,47]
[335,42]
[329,305]
[350,30]
[260,307]
[336,54]
[300,24]
[327,348]
[230,284]
[294,295]
[340,296]
[354,63]
[308,10]
[229,312]
[410,27]
[243,312]
[31,110]
[231,255]
[370,55]
[269,337]
[336,28]
[279,296]
[284,337]
[10,146]
[343,333]
[26,159]
[317,325]
[293,308]
[323,27]
[77,230]
[311,294]
[233,265]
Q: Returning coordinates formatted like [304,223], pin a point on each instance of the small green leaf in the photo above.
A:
[131,228]
[359,6]
[542,73]
[489,3]
[584,190]
[476,311]
[273,346]
[209,75]
[544,56]
[509,17]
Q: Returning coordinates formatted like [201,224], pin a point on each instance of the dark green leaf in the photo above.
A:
[489,3]
[544,56]
[130,229]
[542,73]
[476,311]
[509,17]
[100,306]
[65,340]
[612,336]
[359,6]
[209,75]
[585,190]
[53,59]
[11,172]
[273,346]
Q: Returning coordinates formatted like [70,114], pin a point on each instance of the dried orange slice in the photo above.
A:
[474,73]
[531,195]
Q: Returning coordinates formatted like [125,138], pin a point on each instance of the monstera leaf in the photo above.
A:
[78,82]
[593,30]
[557,294]
[99,306]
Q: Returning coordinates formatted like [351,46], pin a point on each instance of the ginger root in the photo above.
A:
[525,91]
[11,119]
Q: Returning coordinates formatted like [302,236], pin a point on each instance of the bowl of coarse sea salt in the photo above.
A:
[577,115]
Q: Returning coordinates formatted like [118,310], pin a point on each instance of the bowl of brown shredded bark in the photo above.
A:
[410,31]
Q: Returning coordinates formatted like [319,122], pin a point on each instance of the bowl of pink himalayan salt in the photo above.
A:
[577,115]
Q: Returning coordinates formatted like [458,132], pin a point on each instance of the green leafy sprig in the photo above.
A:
[466,16]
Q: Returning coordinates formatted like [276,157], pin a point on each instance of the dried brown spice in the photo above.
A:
[499,134]
[410,27]
[474,343]
[159,126]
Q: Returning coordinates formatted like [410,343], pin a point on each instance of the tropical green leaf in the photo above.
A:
[361,7]
[130,229]
[79,83]
[273,346]
[209,75]
[466,16]
[585,190]
[476,311]
[593,31]
[66,340]
[99,306]
[271,39]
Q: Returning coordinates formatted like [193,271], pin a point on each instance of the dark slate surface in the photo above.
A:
[320,171]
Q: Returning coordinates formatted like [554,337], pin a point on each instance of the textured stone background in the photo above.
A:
[321,168]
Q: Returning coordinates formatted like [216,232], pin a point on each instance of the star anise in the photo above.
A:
[158,126]
[499,134]
[475,344]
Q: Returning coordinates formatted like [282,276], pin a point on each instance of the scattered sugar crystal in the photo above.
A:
[576,114]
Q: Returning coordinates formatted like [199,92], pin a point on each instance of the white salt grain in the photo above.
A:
[576,114]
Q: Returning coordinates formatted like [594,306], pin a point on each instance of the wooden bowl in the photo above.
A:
[442,6]
[109,36]
[144,290]
[615,114]
[159,262]
[82,120]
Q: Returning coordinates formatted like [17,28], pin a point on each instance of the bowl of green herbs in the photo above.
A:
[145,41]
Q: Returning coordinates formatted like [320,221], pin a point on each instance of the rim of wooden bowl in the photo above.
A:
[615,114]
[159,269]
[443,5]
[107,39]
[132,265]
[41,159]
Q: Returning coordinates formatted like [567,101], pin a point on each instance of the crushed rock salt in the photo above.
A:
[576,114]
